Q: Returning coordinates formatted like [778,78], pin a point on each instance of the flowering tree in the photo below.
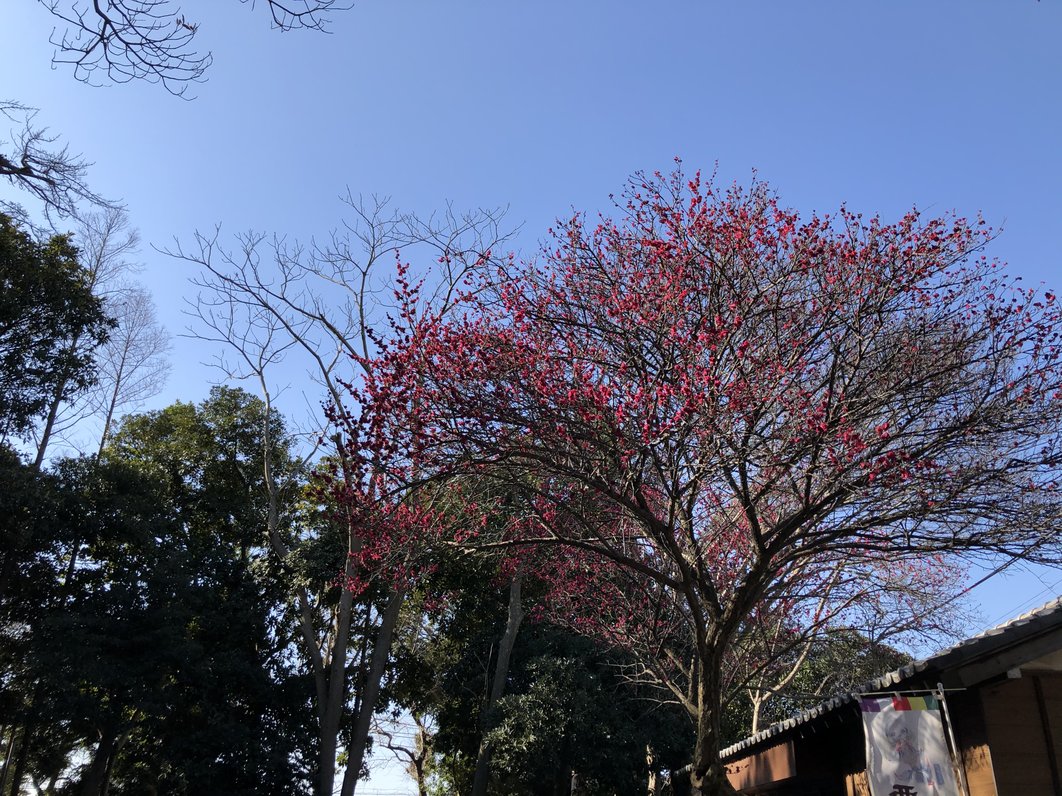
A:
[766,661]
[736,409]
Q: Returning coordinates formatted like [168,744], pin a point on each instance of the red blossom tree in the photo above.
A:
[716,411]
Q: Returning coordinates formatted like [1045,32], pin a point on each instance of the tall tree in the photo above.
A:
[271,301]
[131,365]
[142,647]
[46,303]
[222,711]
[729,402]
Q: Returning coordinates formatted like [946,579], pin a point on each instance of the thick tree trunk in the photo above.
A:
[420,757]
[95,779]
[708,777]
[330,709]
[497,689]
[370,692]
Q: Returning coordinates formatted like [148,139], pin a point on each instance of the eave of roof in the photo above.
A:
[1014,631]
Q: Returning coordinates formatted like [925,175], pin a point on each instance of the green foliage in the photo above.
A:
[236,715]
[50,325]
[571,710]
[208,459]
[836,664]
[33,534]
[146,633]
[568,705]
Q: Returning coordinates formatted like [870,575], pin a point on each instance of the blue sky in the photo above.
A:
[546,106]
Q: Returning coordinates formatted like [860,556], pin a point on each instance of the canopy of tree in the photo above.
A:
[139,621]
[46,301]
[732,419]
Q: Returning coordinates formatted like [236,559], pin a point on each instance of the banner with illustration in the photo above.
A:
[906,751]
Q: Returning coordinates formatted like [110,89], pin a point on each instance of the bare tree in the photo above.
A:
[32,160]
[414,751]
[119,41]
[270,301]
[131,365]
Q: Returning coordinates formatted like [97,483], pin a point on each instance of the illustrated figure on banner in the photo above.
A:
[911,765]
[907,754]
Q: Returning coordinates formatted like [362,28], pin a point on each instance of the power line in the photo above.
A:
[1030,602]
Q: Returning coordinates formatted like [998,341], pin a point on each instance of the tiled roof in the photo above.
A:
[988,642]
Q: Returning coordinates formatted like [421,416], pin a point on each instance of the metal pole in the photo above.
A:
[956,751]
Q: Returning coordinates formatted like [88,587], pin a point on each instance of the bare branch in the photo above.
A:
[269,299]
[30,162]
[118,41]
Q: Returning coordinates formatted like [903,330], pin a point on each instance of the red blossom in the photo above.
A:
[711,408]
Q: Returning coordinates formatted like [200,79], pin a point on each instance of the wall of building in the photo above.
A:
[966,712]
[1023,728]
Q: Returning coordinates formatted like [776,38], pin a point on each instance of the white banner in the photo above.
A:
[906,751]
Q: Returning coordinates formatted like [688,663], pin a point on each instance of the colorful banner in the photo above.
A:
[906,751]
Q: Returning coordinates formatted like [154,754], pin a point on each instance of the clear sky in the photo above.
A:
[545,106]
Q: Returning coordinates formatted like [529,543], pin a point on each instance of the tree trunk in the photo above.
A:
[501,674]
[108,419]
[95,779]
[330,677]
[110,761]
[331,710]
[757,704]
[23,753]
[370,692]
[49,424]
[420,757]
[708,775]
[13,730]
